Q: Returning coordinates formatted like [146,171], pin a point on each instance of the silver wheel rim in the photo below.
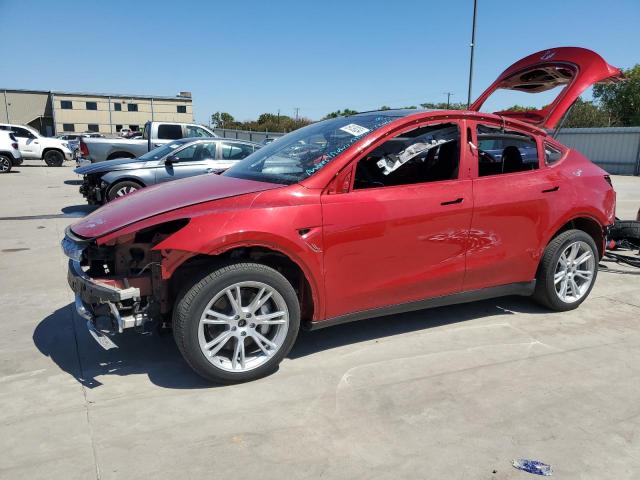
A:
[574,272]
[122,191]
[243,326]
[5,164]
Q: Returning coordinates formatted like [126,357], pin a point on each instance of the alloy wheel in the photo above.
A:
[574,272]
[126,190]
[243,326]
[5,164]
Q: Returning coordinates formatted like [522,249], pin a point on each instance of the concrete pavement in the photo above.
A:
[455,392]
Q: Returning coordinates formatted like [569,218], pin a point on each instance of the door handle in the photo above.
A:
[553,189]
[452,202]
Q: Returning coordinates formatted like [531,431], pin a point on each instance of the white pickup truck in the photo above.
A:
[155,134]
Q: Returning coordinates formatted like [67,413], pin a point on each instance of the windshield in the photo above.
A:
[303,152]
[164,150]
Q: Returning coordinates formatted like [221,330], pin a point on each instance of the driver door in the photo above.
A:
[398,237]
[195,159]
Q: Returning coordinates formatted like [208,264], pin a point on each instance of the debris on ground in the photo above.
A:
[533,466]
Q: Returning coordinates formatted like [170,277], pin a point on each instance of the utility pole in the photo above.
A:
[297,109]
[448,94]
[473,44]
[278,116]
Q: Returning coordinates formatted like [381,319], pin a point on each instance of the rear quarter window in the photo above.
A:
[552,154]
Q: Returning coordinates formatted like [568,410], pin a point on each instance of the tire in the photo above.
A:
[625,230]
[120,189]
[5,164]
[194,338]
[550,269]
[53,158]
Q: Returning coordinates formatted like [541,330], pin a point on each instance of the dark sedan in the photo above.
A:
[187,157]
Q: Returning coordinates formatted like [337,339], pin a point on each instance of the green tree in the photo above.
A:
[621,100]
[223,120]
[341,113]
[586,114]
[443,106]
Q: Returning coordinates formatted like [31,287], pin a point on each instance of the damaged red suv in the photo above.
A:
[352,218]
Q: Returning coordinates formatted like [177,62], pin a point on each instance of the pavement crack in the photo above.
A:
[84,394]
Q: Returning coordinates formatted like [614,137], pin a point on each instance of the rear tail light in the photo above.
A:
[84,149]
[607,179]
[14,146]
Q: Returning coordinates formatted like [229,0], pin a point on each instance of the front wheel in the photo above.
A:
[53,158]
[120,189]
[567,271]
[5,164]
[237,323]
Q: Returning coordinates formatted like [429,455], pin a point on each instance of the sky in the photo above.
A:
[249,57]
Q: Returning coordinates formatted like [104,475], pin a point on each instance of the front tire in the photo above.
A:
[53,158]
[120,189]
[567,271]
[5,164]
[237,323]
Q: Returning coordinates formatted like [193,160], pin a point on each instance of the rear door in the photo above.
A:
[570,70]
[515,201]
[28,144]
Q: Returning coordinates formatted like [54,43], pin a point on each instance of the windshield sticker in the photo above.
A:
[354,129]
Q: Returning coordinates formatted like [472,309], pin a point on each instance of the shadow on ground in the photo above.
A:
[78,210]
[64,338]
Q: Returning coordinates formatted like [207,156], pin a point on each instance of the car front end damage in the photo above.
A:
[119,285]
[93,189]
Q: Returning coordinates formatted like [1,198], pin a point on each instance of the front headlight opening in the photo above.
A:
[72,249]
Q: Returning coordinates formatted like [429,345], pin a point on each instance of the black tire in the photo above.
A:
[625,230]
[190,306]
[545,292]
[112,194]
[5,164]
[53,158]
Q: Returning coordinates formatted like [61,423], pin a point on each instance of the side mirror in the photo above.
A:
[171,159]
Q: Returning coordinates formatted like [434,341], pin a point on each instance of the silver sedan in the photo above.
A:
[187,157]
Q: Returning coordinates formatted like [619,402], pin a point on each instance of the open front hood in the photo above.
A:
[573,68]
[148,202]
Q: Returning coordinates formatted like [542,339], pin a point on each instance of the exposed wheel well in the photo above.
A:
[587,225]
[201,265]
[120,155]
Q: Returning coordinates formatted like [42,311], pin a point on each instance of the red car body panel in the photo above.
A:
[162,198]
[365,249]
[585,67]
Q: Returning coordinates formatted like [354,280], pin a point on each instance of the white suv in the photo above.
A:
[9,153]
[32,145]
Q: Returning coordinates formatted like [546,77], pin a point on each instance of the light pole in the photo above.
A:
[448,94]
[473,44]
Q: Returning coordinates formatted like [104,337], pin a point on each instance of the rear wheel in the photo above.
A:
[5,164]
[567,271]
[53,158]
[238,323]
[120,189]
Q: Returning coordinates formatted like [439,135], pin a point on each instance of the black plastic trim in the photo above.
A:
[520,288]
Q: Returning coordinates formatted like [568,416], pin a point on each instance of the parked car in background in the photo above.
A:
[33,145]
[108,180]
[351,218]
[73,139]
[269,140]
[155,135]
[9,153]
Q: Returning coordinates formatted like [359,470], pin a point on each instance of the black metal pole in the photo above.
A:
[473,44]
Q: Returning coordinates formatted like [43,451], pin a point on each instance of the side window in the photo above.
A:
[117,107]
[66,105]
[551,154]
[92,106]
[132,107]
[207,151]
[195,131]
[426,154]
[236,151]
[22,132]
[169,132]
[181,108]
[68,127]
[187,154]
[505,151]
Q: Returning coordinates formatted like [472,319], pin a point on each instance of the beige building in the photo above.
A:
[56,112]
